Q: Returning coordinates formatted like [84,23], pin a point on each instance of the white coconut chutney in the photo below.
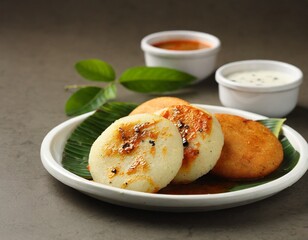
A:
[260,78]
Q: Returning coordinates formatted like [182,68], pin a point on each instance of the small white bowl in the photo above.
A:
[199,63]
[269,100]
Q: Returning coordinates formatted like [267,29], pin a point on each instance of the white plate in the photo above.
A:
[54,142]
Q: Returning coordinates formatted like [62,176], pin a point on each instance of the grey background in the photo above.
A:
[39,43]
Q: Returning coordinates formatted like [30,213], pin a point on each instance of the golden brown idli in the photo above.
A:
[142,152]
[158,103]
[250,151]
[202,140]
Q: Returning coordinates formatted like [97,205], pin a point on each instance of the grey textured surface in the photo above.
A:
[39,43]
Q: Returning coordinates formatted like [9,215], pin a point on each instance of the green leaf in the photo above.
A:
[274,124]
[154,79]
[290,154]
[77,147]
[95,70]
[88,99]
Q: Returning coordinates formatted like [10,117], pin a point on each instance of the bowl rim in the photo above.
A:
[176,34]
[258,63]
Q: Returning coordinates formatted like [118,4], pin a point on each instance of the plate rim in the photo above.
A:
[168,202]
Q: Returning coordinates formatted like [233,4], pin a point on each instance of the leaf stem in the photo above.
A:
[74,86]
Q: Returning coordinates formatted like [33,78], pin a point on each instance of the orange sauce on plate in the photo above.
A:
[182,45]
[207,184]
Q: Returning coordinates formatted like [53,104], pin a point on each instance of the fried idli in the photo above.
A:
[142,152]
[202,140]
[158,103]
[250,150]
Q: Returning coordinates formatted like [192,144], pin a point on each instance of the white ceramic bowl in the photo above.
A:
[199,63]
[272,101]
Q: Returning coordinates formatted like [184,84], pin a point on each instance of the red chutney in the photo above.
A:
[182,45]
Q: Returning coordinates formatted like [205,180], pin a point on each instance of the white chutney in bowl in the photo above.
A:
[265,87]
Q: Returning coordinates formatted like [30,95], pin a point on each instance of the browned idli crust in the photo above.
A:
[156,104]
[202,140]
[250,149]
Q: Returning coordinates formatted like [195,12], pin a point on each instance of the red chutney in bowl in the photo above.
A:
[182,45]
